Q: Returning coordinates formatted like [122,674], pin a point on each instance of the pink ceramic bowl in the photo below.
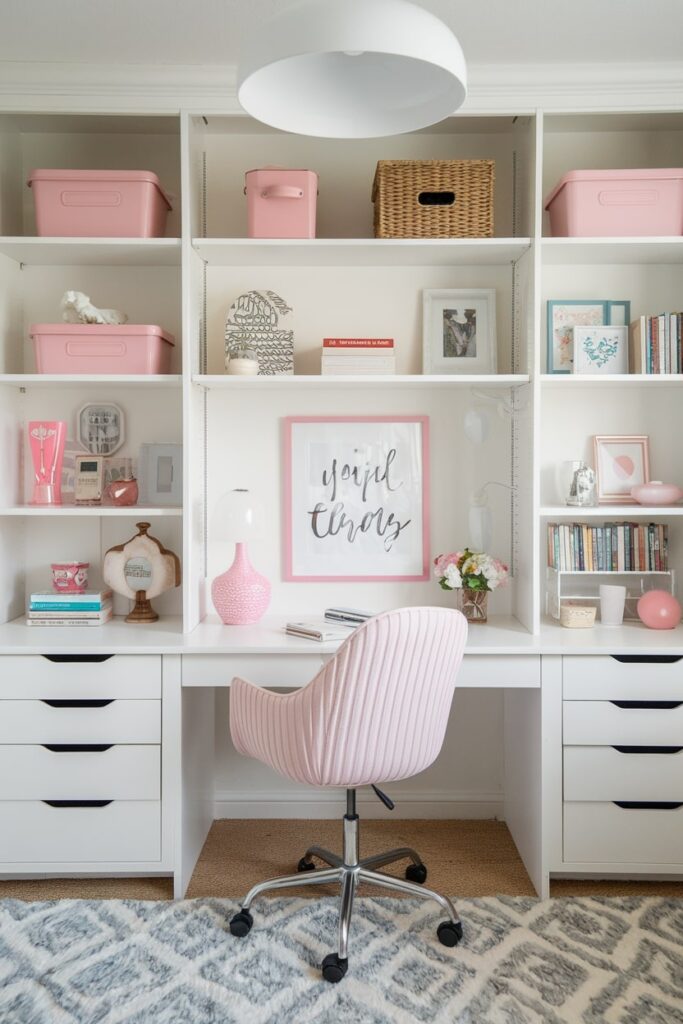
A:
[70,577]
[656,493]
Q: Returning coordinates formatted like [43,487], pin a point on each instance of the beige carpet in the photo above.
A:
[464,858]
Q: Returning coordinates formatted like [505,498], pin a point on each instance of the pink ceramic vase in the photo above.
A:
[241,595]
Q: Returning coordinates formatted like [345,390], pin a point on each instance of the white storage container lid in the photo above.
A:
[51,174]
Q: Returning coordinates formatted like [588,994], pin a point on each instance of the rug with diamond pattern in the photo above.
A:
[522,961]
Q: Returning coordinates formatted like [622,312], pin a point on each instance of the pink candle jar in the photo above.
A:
[70,577]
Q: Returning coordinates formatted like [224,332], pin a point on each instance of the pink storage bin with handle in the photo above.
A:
[281,203]
[101,348]
[99,204]
[617,203]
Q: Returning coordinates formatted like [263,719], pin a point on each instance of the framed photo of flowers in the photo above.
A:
[566,314]
[356,498]
[459,331]
[621,462]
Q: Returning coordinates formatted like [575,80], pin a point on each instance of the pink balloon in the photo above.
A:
[659,610]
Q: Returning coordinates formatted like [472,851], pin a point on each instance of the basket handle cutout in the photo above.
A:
[445,198]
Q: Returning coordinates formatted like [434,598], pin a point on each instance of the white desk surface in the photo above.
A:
[500,636]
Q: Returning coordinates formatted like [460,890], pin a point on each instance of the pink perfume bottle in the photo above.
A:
[47,439]
[125,490]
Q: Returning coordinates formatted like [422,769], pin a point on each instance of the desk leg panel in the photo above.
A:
[522,781]
[196,783]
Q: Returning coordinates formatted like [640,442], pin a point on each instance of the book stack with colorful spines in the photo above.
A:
[611,547]
[656,344]
[90,608]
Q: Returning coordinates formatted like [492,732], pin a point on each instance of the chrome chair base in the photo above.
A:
[348,871]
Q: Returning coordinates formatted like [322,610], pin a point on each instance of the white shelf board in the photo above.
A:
[359,252]
[612,380]
[106,511]
[106,252]
[226,381]
[114,637]
[49,380]
[610,512]
[666,249]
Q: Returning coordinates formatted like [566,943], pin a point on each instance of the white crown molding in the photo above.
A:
[166,89]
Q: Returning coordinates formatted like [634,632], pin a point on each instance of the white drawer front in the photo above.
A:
[129,676]
[121,721]
[601,723]
[605,678]
[489,670]
[35,832]
[120,773]
[603,773]
[602,833]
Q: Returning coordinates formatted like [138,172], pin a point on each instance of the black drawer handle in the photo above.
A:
[648,705]
[77,748]
[649,750]
[78,803]
[648,805]
[90,659]
[78,703]
[444,198]
[646,659]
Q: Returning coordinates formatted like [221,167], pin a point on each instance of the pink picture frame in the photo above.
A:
[621,462]
[394,496]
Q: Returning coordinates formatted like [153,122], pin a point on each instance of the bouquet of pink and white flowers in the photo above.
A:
[469,570]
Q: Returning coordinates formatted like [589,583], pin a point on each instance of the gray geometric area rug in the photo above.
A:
[521,961]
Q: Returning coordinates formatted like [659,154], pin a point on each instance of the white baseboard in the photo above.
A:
[324,804]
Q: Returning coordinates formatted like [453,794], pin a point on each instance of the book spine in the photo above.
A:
[67,622]
[355,345]
[64,606]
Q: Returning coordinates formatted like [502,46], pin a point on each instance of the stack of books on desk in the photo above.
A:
[357,356]
[347,616]
[317,629]
[91,608]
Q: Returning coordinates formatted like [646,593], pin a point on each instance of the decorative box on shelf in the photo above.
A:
[579,585]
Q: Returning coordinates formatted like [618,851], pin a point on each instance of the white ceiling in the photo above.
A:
[203,32]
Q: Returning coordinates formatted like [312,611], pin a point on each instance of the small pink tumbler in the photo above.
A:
[70,577]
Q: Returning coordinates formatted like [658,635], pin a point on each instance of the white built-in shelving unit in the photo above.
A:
[344,282]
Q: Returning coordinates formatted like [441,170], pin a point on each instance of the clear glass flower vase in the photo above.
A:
[472,603]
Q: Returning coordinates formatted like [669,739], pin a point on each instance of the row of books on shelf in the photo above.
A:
[612,547]
[335,624]
[90,608]
[365,356]
[656,344]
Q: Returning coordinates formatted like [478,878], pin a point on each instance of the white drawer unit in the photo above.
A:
[78,771]
[626,773]
[33,831]
[80,721]
[121,676]
[609,834]
[622,677]
[623,723]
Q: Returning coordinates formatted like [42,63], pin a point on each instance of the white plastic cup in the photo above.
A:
[612,600]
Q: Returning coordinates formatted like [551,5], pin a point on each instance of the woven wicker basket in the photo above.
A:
[433,198]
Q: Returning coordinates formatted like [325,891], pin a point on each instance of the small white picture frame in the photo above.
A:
[100,427]
[459,331]
[601,350]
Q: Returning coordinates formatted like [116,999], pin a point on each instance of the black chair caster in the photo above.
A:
[305,865]
[241,923]
[417,873]
[334,968]
[449,933]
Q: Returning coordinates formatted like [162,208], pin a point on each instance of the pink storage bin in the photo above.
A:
[99,204]
[281,203]
[101,348]
[617,203]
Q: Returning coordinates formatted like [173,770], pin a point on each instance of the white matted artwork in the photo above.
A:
[600,350]
[100,427]
[356,498]
[459,331]
[621,462]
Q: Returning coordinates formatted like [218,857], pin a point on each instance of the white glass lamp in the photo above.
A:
[240,595]
[352,69]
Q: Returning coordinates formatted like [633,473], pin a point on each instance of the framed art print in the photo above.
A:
[100,427]
[459,331]
[621,462]
[600,350]
[356,498]
[565,314]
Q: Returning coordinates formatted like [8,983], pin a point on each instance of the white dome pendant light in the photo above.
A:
[351,69]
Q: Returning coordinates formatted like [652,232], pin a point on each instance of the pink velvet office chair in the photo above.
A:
[375,713]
